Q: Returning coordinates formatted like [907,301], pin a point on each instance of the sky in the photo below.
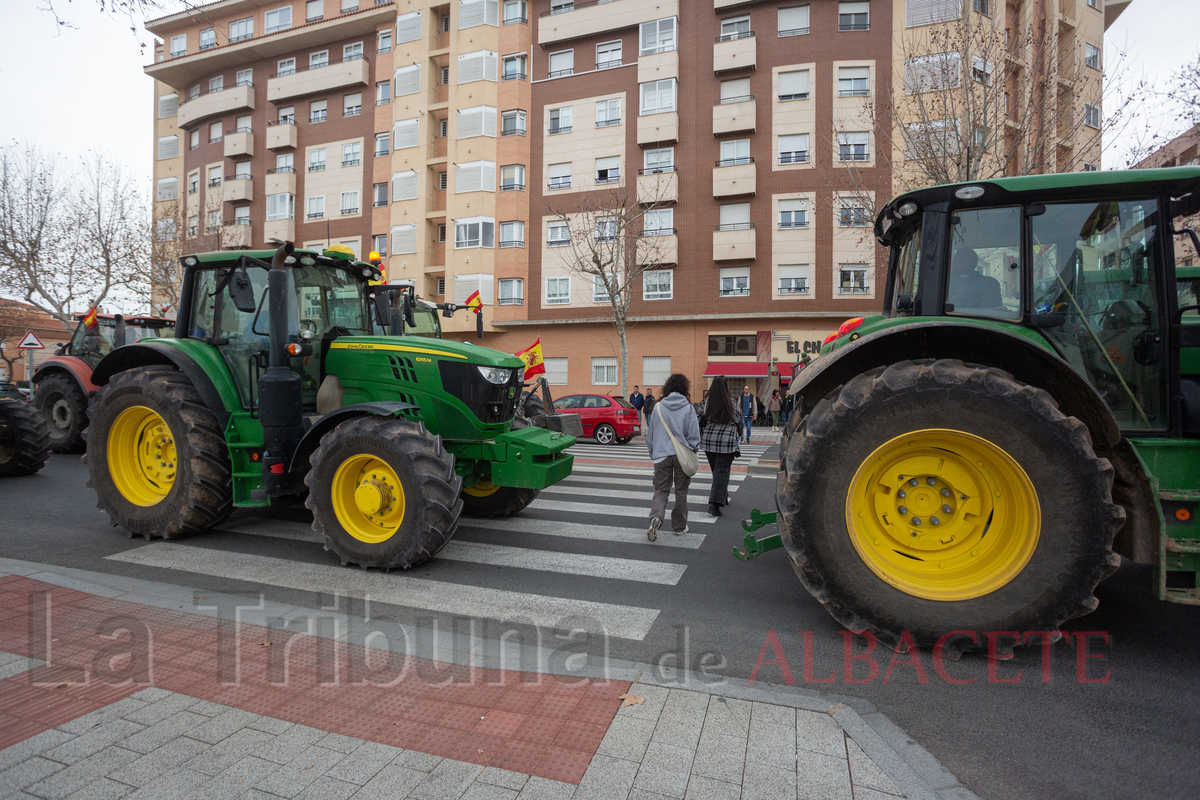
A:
[95,71]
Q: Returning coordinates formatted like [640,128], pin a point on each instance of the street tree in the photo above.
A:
[15,319]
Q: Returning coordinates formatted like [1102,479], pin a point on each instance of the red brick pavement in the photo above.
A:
[535,724]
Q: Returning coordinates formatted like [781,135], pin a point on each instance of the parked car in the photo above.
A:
[609,419]
[12,391]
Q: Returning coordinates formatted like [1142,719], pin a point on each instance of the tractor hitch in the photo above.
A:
[752,546]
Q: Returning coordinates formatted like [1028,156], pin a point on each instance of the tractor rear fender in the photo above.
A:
[312,437]
[76,367]
[154,353]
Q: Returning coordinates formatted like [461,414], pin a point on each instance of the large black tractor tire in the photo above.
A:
[383,492]
[531,405]
[64,406]
[156,455]
[485,500]
[24,439]
[851,533]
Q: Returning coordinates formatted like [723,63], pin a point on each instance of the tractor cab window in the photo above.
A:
[92,344]
[985,259]
[427,321]
[1096,264]
[908,260]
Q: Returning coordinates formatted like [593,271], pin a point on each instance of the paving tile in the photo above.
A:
[271,725]
[171,785]
[290,743]
[295,776]
[822,777]
[208,708]
[342,744]
[773,714]
[863,793]
[627,738]
[864,772]
[178,724]
[158,762]
[519,756]
[234,781]
[391,782]
[230,751]
[448,781]
[152,694]
[215,728]
[94,741]
[81,725]
[769,743]
[503,777]
[499,723]
[665,769]
[34,745]
[653,698]
[581,736]
[326,788]
[642,794]
[80,774]
[606,778]
[727,716]
[546,789]
[720,757]
[820,733]
[422,762]
[156,711]
[102,789]
[364,763]
[561,764]
[761,780]
[28,772]
[700,788]
[489,791]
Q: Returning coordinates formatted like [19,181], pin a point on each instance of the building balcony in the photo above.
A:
[655,187]
[317,81]
[658,247]
[239,188]
[214,103]
[236,236]
[591,18]
[734,242]
[734,115]
[280,182]
[658,128]
[658,66]
[735,51]
[279,230]
[281,135]
[733,176]
[719,4]
[239,143]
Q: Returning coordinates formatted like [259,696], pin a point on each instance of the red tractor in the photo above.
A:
[64,381]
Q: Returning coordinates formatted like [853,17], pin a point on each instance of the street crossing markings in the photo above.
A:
[694,497]
[395,588]
[578,470]
[595,509]
[626,569]
[575,530]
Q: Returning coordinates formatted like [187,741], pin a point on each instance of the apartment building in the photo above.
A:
[1183,150]
[455,137]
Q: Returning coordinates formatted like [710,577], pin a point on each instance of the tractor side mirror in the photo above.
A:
[407,303]
[241,292]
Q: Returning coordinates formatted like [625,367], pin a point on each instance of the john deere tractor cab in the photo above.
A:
[276,383]
[1026,407]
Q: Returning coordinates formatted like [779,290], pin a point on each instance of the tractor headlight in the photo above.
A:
[495,375]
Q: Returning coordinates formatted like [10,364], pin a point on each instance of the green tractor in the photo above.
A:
[276,384]
[1025,410]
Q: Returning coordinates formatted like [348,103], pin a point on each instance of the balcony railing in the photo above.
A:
[735,292]
[238,130]
[352,111]
[238,177]
[281,170]
[735,226]
[656,170]
[794,225]
[608,64]
[735,162]
[783,98]
[351,162]
[605,123]
[559,73]
[512,187]
[794,32]
[659,232]
[315,167]
[283,73]
[612,178]
[733,37]
[560,183]
[512,301]
[315,215]
[853,22]
[560,129]
[727,101]
[317,116]
[801,288]
[852,288]
[854,92]
[214,182]
[513,76]
[380,203]
[346,211]
[557,242]
[512,243]
[512,131]
[288,120]
[794,157]
[517,21]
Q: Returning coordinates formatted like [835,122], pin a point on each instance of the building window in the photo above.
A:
[604,371]
[559,176]
[383,41]
[352,104]
[475,176]
[168,147]
[658,97]
[168,189]
[215,132]
[852,81]
[512,178]
[405,134]
[931,12]
[608,170]
[983,6]
[379,244]
[314,207]
[556,371]
[441,237]
[194,139]
[193,226]
[512,291]
[855,16]
[318,60]
[317,111]
[380,192]
[659,160]
[735,28]
[512,234]
[558,234]
[404,239]
[214,221]
[608,54]
[981,71]
[477,66]
[932,73]
[560,120]
[352,154]
[443,128]
[241,169]
[476,12]
[193,91]
[216,84]
[443,180]
[735,152]
[1091,168]
[658,222]
[793,21]
[735,282]
[1091,115]
[513,68]
[208,39]
[606,230]
[793,85]
[281,206]
[245,77]
[445,76]
[512,123]
[446,23]
[241,215]
[852,279]
[852,146]
[1091,56]
[179,45]
[194,183]
[853,217]
[658,36]
[735,91]
[285,162]
[383,93]
[793,279]
[608,112]
[599,290]
[735,217]
[515,12]
[382,143]
[474,232]
[286,66]
[349,202]
[406,80]
[793,214]
[440,289]
[279,20]
[352,52]
[404,186]
[658,284]
[793,149]
[476,121]
[316,159]
[558,291]
[562,63]
[241,30]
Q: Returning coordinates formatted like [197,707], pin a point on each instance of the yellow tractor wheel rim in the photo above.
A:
[481,489]
[141,456]
[368,498]
[943,515]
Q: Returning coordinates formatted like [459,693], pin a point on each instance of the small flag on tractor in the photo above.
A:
[475,302]
[532,356]
[89,319]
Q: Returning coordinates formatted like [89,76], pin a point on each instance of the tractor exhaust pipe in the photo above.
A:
[118,331]
[279,408]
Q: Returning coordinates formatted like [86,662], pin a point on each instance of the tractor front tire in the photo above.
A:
[24,439]
[156,455]
[65,406]
[929,498]
[383,492]
[486,500]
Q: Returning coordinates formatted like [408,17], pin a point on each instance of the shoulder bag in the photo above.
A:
[689,460]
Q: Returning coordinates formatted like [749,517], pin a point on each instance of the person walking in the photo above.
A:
[774,406]
[748,405]
[637,400]
[719,440]
[648,405]
[674,411]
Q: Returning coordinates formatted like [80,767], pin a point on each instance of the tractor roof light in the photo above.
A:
[375,258]
[907,209]
[191,261]
[307,260]
[969,193]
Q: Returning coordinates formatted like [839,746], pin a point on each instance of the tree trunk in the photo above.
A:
[624,367]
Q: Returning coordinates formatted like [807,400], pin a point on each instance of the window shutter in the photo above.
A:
[407,80]
[854,73]
[408,27]
[655,370]
[490,65]
[470,122]
[404,239]
[168,106]
[735,88]
[473,12]
[928,12]
[793,19]
[735,272]
[168,147]
[466,285]
[487,176]
[560,170]
[467,177]
[793,83]
[478,66]
[793,271]
[168,188]
[556,371]
[793,205]
[933,72]
[404,185]
[735,214]
[406,133]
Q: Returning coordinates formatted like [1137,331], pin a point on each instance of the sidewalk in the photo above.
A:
[209,708]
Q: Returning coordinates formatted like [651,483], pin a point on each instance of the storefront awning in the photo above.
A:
[738,369]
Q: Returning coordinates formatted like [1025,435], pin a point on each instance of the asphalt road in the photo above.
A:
[1134,734]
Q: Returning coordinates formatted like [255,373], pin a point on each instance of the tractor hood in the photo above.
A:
[420,347]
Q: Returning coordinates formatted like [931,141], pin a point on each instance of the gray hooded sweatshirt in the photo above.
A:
[680,415]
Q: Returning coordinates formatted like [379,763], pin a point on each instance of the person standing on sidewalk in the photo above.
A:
[719,440]
[637,401]
[774,405]
[674,411]
[748,405]
[648,405]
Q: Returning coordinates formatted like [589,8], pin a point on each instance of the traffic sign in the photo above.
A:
[31,342]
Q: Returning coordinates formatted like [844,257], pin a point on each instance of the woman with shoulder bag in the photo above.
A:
[672,437]
[719,440]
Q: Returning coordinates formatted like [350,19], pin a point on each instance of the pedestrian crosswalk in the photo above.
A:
[577,548]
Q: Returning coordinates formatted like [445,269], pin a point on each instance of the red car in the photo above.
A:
[609,419]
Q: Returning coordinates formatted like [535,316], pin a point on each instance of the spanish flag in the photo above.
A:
[532,356]
[474,302]
[89,319]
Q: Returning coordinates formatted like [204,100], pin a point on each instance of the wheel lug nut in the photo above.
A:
[913,482]
[916,520]
[902,494]
[947,510]
[945,492]
[931,481]
[902,510]
[934,521]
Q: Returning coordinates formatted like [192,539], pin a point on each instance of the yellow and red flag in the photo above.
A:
[475,302]
[532,356]
[90,318]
